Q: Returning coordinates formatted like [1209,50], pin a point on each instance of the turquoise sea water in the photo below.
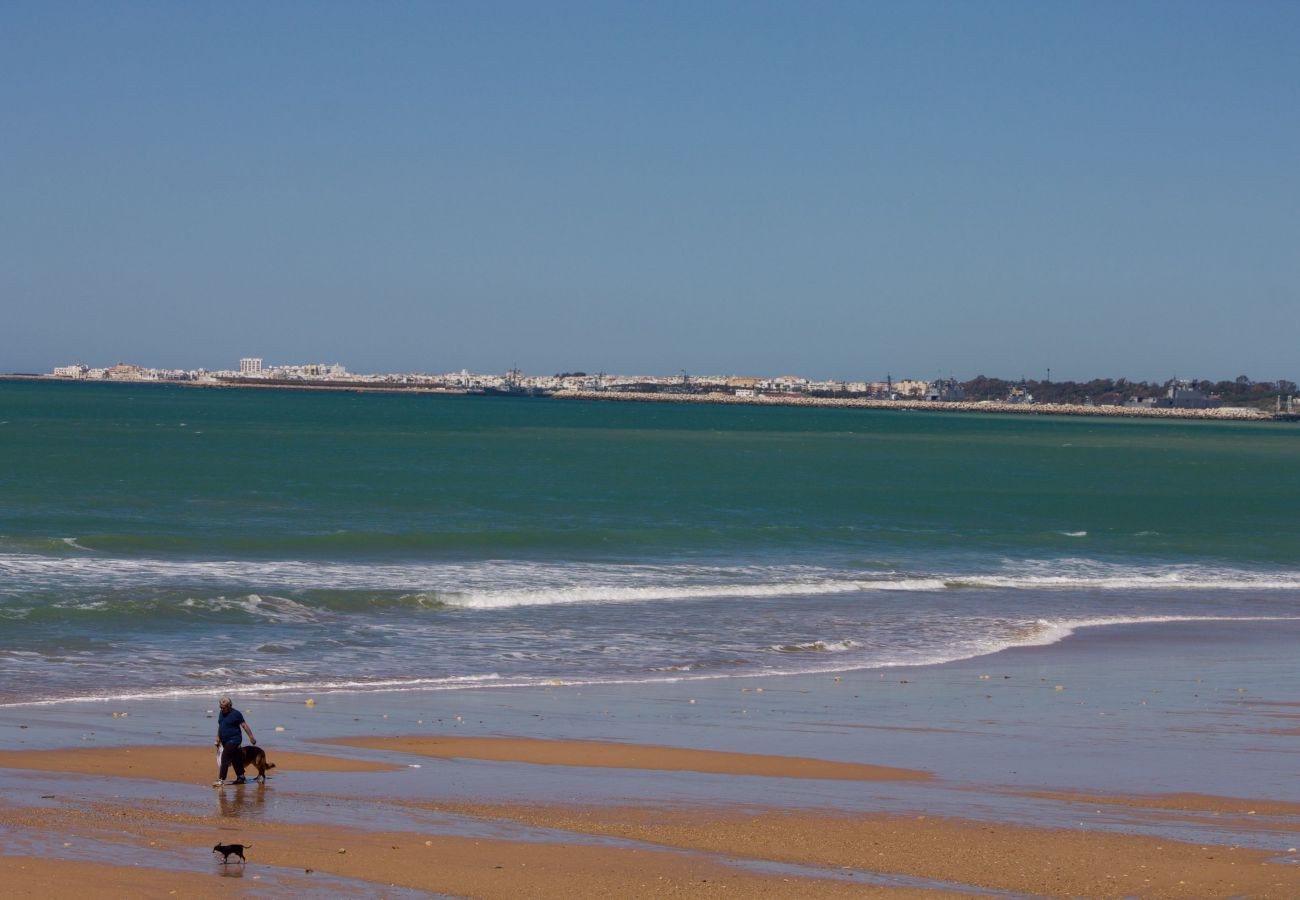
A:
[158,540]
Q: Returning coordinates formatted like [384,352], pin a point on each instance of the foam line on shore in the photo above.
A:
[1037,634]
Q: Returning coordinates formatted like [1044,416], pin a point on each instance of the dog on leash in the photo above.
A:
[229,850]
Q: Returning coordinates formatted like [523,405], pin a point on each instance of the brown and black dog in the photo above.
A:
[252,757]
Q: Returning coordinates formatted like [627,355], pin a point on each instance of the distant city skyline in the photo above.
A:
[1237,399]
[933,189]
[256,367]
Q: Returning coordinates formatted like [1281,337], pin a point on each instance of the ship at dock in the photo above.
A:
[512,385]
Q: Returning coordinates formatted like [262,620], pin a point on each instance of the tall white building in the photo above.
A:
[250,366]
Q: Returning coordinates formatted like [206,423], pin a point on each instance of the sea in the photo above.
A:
[168,541]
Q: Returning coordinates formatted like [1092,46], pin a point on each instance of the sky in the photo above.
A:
[837,190]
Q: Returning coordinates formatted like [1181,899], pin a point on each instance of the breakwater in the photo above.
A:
[1228,413]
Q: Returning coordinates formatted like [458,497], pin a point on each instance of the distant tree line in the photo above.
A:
[1240,391]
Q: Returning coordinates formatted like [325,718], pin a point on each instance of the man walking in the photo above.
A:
[229,721]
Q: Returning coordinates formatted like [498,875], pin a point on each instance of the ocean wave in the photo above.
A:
[158,606]
[1161,580]
[815,647]
[286,590]
[1045,632]
[621,594]
[1121,579]
[277,609]
[1037,633]
[417,578]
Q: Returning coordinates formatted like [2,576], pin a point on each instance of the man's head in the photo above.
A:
[224,703]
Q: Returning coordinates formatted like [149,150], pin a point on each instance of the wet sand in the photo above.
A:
[29,876]
[607,755]
[420,861]
[184,765]
[999,857]
[662,851]
[1194,803]
[1122,762]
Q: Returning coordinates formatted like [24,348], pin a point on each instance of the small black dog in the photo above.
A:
[255,758]
[229,850]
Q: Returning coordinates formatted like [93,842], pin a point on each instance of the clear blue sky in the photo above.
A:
[1105,188]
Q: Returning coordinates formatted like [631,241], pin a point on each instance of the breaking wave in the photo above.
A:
[815,647]
[505,583]
[297,588]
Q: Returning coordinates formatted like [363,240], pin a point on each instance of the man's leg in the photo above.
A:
[237,759]
[227,758]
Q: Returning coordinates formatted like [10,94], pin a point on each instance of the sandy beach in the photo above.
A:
[662,850]
[595,754]
[1012,788]
[178,764]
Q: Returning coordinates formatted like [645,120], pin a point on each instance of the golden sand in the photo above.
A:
[460,866]
[179,764]
[670,852]
[38,877]
[1044,862]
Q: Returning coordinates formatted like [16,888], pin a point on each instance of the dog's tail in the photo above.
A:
[270,765]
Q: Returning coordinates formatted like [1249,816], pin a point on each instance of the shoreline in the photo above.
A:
[1109,764]
[543,682]
[1219,414]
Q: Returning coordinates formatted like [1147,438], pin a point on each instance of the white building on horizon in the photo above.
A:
[251,365]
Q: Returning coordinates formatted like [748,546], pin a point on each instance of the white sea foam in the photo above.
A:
[907,584]
[1114,579]
[279,609]
[1136,580]
[100,571]
[1038,633]
[448,682]
[498,584]
[815,647]
[619,594]
[1042,632]
[1046,631]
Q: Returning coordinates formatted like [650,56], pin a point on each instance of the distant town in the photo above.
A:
[1238,398]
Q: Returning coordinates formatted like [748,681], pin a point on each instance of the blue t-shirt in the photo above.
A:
[228,726]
